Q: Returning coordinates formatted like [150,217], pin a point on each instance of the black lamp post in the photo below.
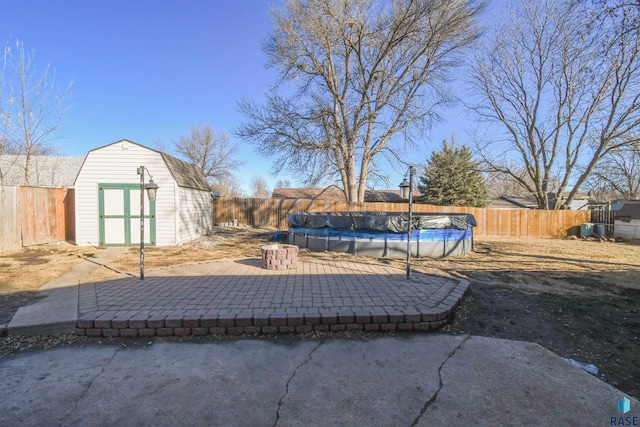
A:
[406,192]
[152,189]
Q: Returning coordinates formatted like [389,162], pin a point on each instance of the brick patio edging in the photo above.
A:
[229,323]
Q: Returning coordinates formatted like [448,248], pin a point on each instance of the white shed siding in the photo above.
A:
[117,164]
[194,213]
[627,230]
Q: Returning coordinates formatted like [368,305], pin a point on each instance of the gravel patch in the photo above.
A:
[19,343]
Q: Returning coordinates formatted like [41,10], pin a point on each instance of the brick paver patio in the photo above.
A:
[237,297]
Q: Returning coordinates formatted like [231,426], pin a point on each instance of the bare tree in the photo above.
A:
[260,188]
[283,183]
[599,191]
[31,107]
[501,184]
[617,175]
[5,116]
[367,76]
[161,144]
[509,184]
[213,154]
[227,186]
[560,89]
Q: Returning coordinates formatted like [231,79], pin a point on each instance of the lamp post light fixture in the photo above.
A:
[406,192]
[152,189]
[404,189]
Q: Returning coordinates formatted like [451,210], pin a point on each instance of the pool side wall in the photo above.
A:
[429,243]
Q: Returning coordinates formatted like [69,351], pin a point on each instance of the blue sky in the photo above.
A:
[147,70]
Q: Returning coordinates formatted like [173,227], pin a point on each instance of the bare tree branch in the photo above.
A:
[213,154]
[617,176]
[227,186]
[562,88]
[31,108]
[364,74]
[260,188]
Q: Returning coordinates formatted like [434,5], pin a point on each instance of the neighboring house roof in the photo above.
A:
[580,201]
[45,171]
[336,195]
[514,202]
[387,196]
[630,211]
[578,196]
[511,202]
[332,194]
[186,174]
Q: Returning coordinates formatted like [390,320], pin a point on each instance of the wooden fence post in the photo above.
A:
[9,219]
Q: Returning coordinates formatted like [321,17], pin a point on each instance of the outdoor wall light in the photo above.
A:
[152,189]
[406,192]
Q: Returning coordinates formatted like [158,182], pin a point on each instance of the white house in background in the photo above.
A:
[44,171]
[107,193]
[627,221]
[580,202]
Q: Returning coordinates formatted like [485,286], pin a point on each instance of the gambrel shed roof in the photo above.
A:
[185,174]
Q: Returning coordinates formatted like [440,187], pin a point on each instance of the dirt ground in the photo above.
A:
[578,298]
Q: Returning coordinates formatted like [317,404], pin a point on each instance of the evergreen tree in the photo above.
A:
[452,178]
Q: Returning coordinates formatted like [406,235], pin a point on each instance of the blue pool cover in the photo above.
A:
[425,235]
[383,234]
[395,222]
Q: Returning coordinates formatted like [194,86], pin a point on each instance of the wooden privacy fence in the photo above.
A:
[491,222]
[33,215]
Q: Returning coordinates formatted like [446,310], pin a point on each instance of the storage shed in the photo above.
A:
[627,221]
[107,193]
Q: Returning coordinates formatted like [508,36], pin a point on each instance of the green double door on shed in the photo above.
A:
[119,215]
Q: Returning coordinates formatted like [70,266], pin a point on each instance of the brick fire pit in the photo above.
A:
[279,257]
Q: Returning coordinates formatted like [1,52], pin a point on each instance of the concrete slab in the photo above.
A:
[403,380]
[58,311]
[505,382]
[227,383]
[380,382]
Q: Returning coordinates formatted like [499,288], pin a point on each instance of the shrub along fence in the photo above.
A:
[491,222]
[34,215]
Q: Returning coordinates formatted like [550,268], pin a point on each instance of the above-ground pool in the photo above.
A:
[383,234]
